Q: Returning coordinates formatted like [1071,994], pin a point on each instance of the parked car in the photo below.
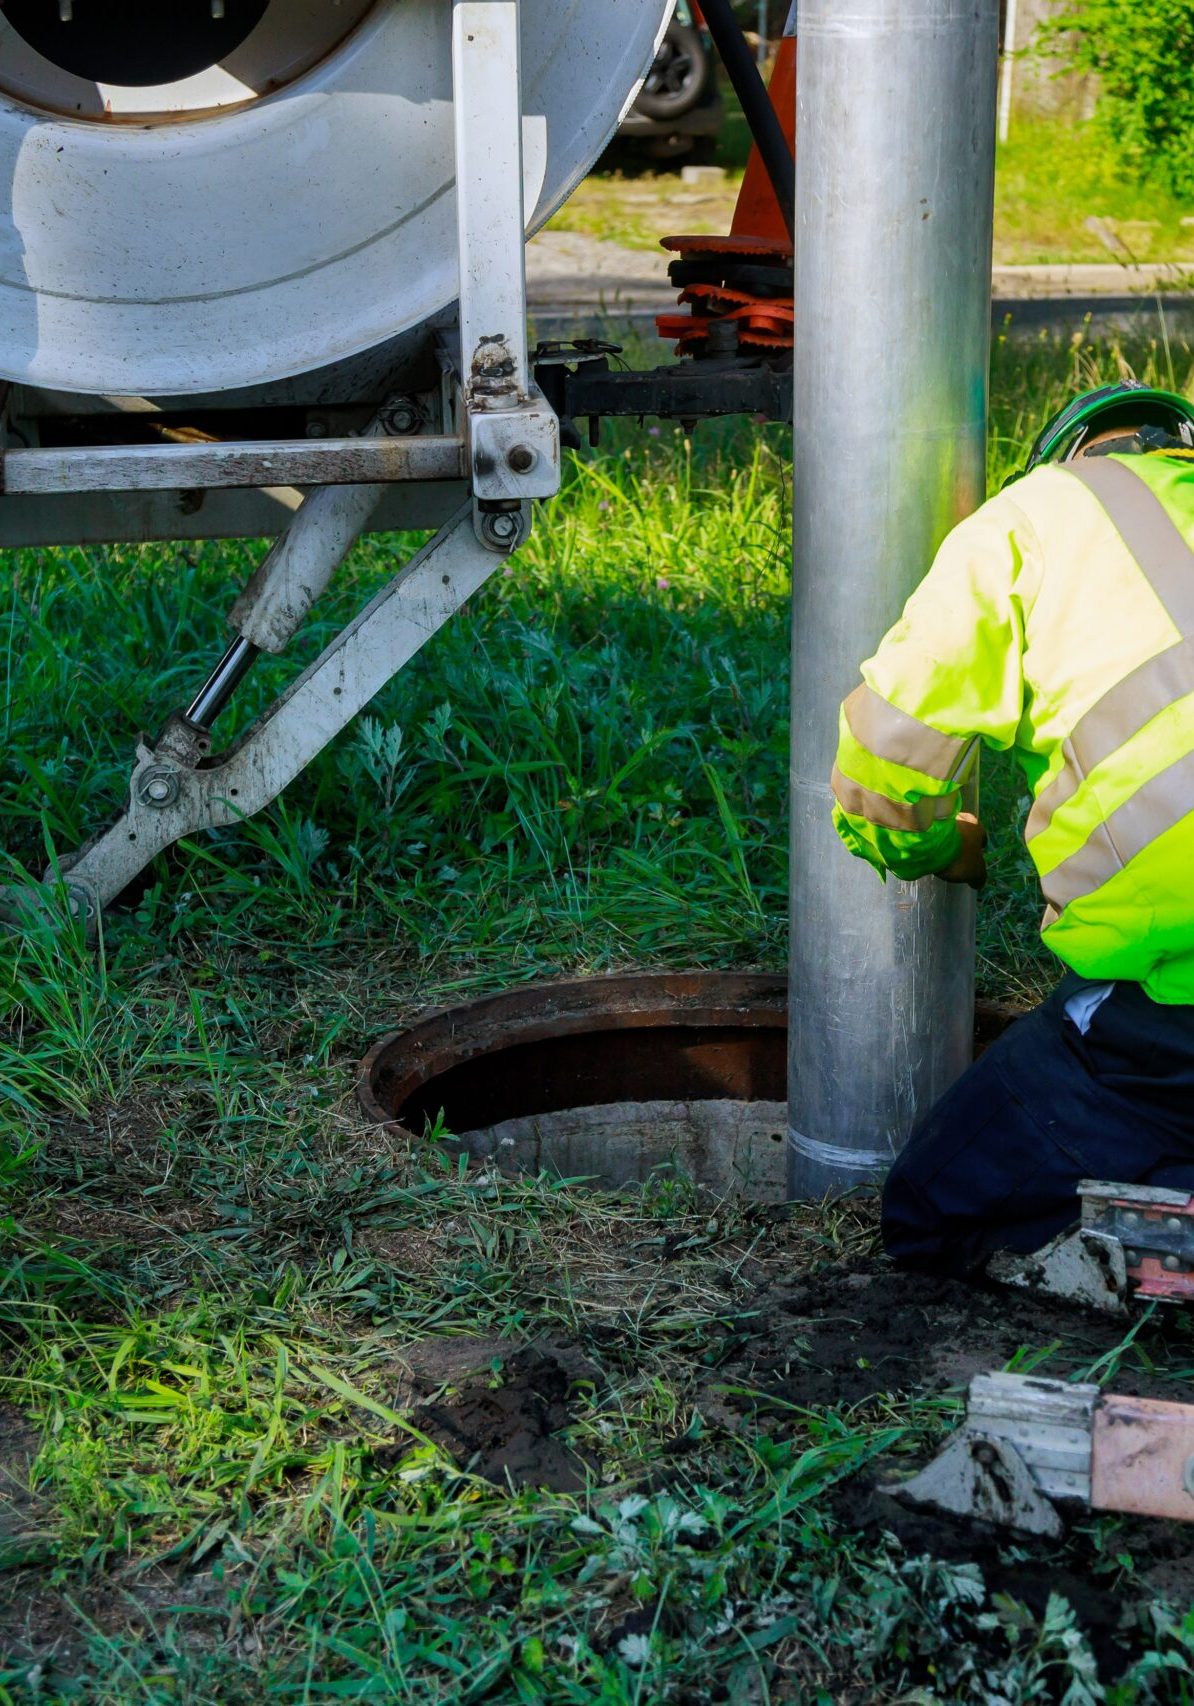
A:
[679,110]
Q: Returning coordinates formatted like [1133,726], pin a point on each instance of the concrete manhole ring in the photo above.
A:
[609,1078]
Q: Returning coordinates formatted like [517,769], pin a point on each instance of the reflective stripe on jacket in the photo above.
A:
[1057,621]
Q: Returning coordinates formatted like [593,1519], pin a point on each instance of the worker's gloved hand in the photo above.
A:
[969,866]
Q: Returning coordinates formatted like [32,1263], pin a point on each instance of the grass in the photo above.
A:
[214,1278]
[1051,178]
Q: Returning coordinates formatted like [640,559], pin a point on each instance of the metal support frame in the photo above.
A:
[201,467]
[1031,1447]
[506,446]
[513,435]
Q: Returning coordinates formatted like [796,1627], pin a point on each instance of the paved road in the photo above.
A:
[576,278]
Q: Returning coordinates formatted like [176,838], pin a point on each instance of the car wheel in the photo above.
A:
[676,81]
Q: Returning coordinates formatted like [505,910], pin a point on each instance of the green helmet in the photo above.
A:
[1135,404]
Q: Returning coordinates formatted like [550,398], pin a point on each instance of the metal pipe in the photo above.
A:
[761,117]
[222,683]
[896,119]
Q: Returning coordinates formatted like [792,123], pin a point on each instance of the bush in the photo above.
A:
[1143,54]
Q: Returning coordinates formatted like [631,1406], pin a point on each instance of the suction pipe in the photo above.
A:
[895,170]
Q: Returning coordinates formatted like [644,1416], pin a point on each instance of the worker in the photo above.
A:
[1057,623]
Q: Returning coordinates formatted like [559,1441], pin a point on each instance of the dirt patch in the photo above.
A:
[498,1410]
[28,1613]
[848,1335]
[23,1534]
[46,1632]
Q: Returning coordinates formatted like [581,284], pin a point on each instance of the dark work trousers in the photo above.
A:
[997,1163]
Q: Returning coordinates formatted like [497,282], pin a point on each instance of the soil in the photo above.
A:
[1111,1609]
[849,1335]
[498,1411]
[20,1509]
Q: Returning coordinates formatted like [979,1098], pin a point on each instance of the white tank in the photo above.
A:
[259,188]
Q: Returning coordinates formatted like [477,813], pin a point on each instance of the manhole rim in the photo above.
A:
[557,1007]
[442,1037]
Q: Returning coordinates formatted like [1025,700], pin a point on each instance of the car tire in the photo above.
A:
[677,79]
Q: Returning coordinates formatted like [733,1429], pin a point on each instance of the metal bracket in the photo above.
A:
[513,434]
[514,454]
[1083,1267]
[1028,1445]
[1134,1240]
[1155,1230]
[1025,1444]
[176,789]
[985,1479]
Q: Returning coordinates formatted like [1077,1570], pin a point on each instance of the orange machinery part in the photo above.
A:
[758,230]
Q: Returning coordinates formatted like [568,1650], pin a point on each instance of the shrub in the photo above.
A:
[1143,54]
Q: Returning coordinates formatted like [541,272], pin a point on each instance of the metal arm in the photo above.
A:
[172,796]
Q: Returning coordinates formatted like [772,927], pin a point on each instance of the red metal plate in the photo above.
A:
[728,246]
[1142,1457]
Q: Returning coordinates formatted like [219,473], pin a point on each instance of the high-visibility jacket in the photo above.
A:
[1057,621]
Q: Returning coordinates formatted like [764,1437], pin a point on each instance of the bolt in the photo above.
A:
[1130,1217]
[1173,1224]
[521,459]
[317,428]
[1132,1258]
[79,902]
[1172,1264]
[399,419]
[984,1454]
[501,531]
[158,788]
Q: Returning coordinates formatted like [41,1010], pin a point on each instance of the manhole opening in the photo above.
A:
[609,1078]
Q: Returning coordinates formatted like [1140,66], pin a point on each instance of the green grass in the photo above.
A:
[212,1271]
[1051,177]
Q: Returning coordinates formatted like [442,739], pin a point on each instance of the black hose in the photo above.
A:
[743,73]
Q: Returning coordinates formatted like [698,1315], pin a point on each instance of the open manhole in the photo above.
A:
[610,1078]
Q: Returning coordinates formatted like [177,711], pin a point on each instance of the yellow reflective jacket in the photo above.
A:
[1057,621]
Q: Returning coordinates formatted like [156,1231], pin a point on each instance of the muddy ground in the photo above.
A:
[850,1335]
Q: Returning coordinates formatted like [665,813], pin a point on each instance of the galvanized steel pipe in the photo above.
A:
[894,189]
